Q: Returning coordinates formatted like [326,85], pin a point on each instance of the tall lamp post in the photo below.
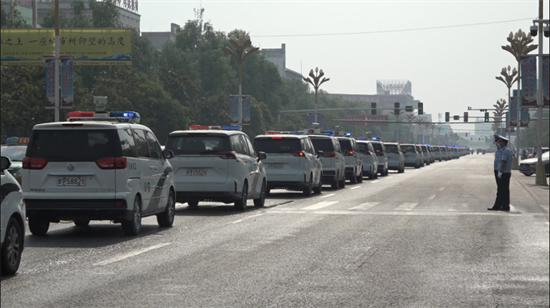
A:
[508,79]
[541,173]
[520,44]
[316,82]
[244,47]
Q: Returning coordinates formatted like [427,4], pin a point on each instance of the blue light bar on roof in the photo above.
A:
[130,115]
[328,132]
[232,127]
[348,134]
[361,138]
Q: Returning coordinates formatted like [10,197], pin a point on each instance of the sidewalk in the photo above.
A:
[539,192]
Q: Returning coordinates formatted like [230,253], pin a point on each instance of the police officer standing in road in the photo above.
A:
[503,173]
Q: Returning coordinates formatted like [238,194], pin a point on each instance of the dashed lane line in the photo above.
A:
[319,205]
[130,254]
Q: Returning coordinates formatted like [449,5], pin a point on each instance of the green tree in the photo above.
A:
[104,14]
[12,19]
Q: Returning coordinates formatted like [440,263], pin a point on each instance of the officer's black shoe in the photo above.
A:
[493,209]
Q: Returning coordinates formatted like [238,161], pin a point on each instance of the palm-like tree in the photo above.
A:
[410,117]
[420,122]
[500,111]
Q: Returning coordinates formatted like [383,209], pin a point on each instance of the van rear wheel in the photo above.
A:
[309,189]
[38,226]
[241,204]
[133,226]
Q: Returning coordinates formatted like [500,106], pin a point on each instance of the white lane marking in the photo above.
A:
[364,206]
[355,187]
[329,195]
[320,205]
[374,182]
[442,188]
[406,206]
[431,197]
[240,220]
[130,254]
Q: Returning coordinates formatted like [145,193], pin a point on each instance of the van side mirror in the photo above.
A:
[6,163]
[167,153]
[261,155]
[320,153]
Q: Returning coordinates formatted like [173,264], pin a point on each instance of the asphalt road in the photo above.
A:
[422,238]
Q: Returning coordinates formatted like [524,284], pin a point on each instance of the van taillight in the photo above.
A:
[34,163]
[120,203]
[228,155]
[112,162]
[348,153]
[330,154]
[299,154]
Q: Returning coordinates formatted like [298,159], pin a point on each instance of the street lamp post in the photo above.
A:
[314,81]
[244,47]
[520,44]
[508,80]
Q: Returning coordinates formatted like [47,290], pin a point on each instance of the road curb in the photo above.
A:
[530,191]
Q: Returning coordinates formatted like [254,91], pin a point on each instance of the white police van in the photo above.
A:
[334,164]
[292,162]
[97,166]
[220,164]
[12,221]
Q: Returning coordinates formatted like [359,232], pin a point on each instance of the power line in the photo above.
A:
[394,31]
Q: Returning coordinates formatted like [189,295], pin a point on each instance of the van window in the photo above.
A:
[154,146]
[127,142]
[285,145]
[408,148]
[198,144]
[391,148]
[143,149]
[345,144]
[323,144]
[73,145]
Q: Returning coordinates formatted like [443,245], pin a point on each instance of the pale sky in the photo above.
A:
[450,50]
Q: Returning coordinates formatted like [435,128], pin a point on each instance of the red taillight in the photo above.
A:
[34,163]
[348,153]
[112,162]
[120,203]
[228,155]
[330,154]
[299,154]
[276,137]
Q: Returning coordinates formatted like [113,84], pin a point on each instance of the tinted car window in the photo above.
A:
[392,148]
[346,145]
[362,147]
[408,148]
[322,144]
[289,145]
[378,147]
[198,144]
[143,149]
[127,142]
[73,145]
[154,147]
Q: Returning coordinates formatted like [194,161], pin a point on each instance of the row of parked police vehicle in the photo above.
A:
[104,165]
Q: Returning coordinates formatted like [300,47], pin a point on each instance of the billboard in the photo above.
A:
[234,109]
[86,46]
[65,83]
[514,114]
[529,80]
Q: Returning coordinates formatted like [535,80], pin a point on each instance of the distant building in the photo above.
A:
[158,39]
[277,56]
[127,10]
[24,7]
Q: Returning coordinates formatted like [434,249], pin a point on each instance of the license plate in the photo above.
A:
[195,172]
[71,181]
[275,166]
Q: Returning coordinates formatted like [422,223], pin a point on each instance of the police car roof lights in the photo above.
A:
[209,127]
[120,116]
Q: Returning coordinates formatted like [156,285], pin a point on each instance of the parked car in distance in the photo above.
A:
[291,162]
[369,159]
[380,151]
[529,166]
[334,172]
[216,164]
[396,159]
[353,159]
[411,155]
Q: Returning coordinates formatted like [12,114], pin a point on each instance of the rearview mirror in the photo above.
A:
[320,153]
[261,155]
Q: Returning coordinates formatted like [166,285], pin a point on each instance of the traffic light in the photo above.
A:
[396,110]
[465,117]
[420,108]
[372,108]
[486,116]
[409,108]
[447,116]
